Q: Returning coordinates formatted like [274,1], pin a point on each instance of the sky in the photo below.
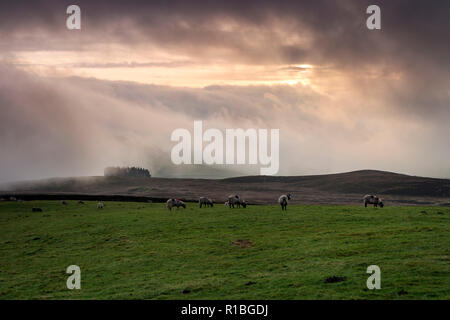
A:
[343,97]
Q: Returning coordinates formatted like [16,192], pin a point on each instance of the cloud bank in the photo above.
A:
[76,126]
[343,97]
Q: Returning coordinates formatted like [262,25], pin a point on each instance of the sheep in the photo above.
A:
[371,199]
[232,200]
[283,201]
[170,204]
[100,205]
[175,203]
[236,200]
[80,202]
[12,199]
[36,209]
[226,204]
[206,202]
[63,202]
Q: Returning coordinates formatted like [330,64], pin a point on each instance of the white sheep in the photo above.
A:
[236,200]
[205,201]
[175,203]
[100,205]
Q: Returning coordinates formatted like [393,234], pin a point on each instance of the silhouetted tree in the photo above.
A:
[126,172]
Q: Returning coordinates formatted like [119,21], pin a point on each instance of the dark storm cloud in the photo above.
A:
[413,40]
[410,29]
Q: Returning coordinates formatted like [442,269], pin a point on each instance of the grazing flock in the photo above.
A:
[234,201]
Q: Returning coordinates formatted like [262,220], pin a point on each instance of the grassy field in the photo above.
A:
[141,251]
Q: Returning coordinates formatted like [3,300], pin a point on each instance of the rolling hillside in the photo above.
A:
[330,188]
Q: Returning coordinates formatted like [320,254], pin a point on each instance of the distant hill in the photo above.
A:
[328,188]
[363,181]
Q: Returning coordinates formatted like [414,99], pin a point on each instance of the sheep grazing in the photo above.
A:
[236,201]
[233,200]
[12,199]
[63,202]
[175,203]
[226,204]
[80,202]
[371,199]
[36,210]
[283,200]
[100,205]
[206,202]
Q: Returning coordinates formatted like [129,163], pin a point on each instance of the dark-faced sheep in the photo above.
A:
[236,201]
[283,200]
[233,200]
[36,210]
[206,202]
[175,203]
[100,205]
[371,199]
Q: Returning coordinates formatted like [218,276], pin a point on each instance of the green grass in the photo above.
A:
[141,251]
